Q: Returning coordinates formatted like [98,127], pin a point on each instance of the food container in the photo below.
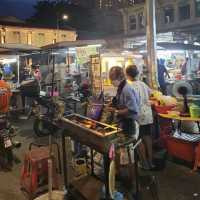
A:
[194,111]
[163,109]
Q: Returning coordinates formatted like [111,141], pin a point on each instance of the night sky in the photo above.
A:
[19,8]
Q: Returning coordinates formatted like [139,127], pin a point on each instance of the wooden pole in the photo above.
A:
[53,74]
[151,42]
[18,70]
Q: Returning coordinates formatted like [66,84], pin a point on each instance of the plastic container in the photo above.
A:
[194,111]
[196,102]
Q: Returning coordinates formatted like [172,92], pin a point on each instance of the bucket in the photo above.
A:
[80,167]
[194,111]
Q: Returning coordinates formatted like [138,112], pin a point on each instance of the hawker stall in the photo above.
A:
[182,63]
[72,64]
[95,136]
[10,62]
[99,138]
[178,120]
[102,63]
[87,62]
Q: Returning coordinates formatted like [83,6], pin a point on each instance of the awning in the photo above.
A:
[17,48]
[178,46]
[170,46]
[78,43]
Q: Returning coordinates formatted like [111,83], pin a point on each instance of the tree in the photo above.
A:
[48,13]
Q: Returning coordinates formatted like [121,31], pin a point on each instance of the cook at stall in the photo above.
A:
[126,102]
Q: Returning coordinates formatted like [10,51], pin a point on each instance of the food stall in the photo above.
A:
[176,55]
[178,119]
[101,64]
[99,137]
[177,115]
[10,61]
[91,60]
[72,62]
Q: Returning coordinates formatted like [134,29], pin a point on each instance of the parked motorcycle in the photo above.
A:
[7,144]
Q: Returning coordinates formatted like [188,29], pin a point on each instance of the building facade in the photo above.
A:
[106,4]
[34,36]
[172,15]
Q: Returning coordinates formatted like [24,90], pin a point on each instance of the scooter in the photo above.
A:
[7,133]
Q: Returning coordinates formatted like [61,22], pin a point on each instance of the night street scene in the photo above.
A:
[99,99]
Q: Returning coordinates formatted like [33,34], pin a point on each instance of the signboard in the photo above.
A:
[84,53]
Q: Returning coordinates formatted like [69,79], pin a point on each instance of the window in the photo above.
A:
[54,41]
[132,22]
[169,15]
[41,38]
[100,4]
[16,36]
[3,39]
[29,38]
[132,2]
[3,36]
[197,6]
[184,12]
[141,20]
[63,36]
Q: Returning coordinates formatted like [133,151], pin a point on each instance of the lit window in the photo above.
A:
[54,41]
[29,38]
[197,6]
[184,12]
[41,39]
[132,22]
[169,15]
[16,36]
[3,39]
[3,36]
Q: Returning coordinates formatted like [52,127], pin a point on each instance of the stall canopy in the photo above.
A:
[20,48]
[78,43]
[170,46]
[178,46]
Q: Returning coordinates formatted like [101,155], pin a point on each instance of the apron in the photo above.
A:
[127,124]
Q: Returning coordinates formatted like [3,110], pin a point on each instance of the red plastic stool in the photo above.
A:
[34,172]
[197,158]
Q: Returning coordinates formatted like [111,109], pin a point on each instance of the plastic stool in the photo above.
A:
[35,171]
[197,158]
[58,152]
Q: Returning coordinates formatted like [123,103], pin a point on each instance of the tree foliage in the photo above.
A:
[48,13]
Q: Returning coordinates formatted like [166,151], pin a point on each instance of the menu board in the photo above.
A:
[84,53]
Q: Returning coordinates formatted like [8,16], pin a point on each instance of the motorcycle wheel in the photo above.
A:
[42,128]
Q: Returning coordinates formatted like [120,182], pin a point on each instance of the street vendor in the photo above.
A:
[145,118]
[162,72]
[126,102]
[36,72]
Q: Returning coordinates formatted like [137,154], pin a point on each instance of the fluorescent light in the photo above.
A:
[12,60]
[95,45]
[197,43]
